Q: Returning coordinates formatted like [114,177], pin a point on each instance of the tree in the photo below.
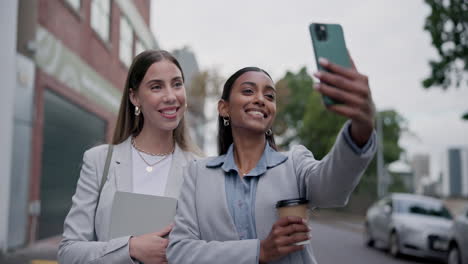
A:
[448,25]
[202,90]
[205,84]
[301,117]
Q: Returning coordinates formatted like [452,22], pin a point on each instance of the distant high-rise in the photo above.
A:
[420,165]
[455,174]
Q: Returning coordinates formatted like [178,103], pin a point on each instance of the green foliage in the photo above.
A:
[301,117]
[397,184]
[393,125]
[320,127]
[292,93]
[448,25]
[204,84]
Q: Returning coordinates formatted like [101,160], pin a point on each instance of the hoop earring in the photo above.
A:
[137,111]
[269,132]
[226,121]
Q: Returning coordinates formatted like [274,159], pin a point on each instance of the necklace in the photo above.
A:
[244,173]
[149,167]
[149,153]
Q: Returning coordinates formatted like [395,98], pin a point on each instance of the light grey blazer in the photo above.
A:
[205,231]
[80,244]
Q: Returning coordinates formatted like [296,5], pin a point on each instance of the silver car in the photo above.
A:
[409,224]
[458,252]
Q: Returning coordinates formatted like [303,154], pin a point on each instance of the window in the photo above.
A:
[75,4]
[421,207]
[126,41]
[100,18]
[139,48]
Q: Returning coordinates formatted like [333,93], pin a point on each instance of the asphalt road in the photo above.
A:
[333,244]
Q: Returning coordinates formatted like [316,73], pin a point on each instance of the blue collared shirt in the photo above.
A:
[241,192]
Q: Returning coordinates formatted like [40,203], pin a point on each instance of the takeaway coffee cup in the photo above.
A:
[294,207]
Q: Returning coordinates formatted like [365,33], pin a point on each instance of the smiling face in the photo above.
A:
[252,103]
[161,96]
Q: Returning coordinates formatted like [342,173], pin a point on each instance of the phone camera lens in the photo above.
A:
[321,32]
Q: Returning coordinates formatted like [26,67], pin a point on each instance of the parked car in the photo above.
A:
[458,246]
[409,224]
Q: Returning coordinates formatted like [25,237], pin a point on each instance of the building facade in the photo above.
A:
[455,173]
[70,64]
[196,94]
[421,171]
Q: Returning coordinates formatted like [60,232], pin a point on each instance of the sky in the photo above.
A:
[385,38]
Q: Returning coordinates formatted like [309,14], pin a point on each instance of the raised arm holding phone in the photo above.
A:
[227,212]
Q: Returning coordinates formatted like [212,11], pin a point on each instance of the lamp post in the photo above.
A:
[381,181]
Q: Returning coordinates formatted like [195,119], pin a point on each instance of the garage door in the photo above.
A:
[68,131]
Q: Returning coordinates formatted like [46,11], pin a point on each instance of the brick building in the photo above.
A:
[70,65]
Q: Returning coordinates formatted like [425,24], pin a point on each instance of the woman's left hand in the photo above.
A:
[354,94]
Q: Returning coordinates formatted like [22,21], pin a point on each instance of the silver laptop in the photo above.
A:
[137,214]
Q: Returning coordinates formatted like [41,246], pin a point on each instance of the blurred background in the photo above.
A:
[64,63]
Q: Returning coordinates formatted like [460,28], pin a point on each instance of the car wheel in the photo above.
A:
[454,255]
[368,239]
[394,244]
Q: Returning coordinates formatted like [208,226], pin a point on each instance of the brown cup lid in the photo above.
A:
[291,202]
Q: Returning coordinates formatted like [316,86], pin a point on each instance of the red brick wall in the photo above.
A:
[143,7]
[75,32]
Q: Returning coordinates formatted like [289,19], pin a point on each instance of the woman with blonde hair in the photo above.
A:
[149,149]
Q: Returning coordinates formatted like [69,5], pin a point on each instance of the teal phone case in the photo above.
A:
[332,47]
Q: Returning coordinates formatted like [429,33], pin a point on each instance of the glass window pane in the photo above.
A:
[100,18]
[76,4]
[126,41]
[139,48]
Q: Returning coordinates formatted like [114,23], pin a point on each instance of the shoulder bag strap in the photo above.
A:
[103,181]
[106,167]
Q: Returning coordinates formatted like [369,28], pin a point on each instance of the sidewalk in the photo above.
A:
[42,252]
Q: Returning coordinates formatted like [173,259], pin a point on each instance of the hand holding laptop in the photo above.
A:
[150,248]
[139,215]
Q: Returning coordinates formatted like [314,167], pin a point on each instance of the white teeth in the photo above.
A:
[169,112]
[256,113]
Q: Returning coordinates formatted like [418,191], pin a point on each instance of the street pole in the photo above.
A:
[380,161]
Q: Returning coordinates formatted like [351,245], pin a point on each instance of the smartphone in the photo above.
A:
[329,43]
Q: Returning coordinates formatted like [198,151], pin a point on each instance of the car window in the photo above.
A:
[423,208]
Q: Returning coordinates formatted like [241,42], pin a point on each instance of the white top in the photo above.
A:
[154,182]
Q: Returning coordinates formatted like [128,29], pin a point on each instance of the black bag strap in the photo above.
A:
[103,180]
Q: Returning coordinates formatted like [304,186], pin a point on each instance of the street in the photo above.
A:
[334,244]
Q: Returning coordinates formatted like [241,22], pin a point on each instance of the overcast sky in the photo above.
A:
[385,38]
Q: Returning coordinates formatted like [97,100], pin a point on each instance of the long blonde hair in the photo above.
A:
[130,125]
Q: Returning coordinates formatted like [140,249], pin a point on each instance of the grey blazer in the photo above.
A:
[80,244]
[205,231]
